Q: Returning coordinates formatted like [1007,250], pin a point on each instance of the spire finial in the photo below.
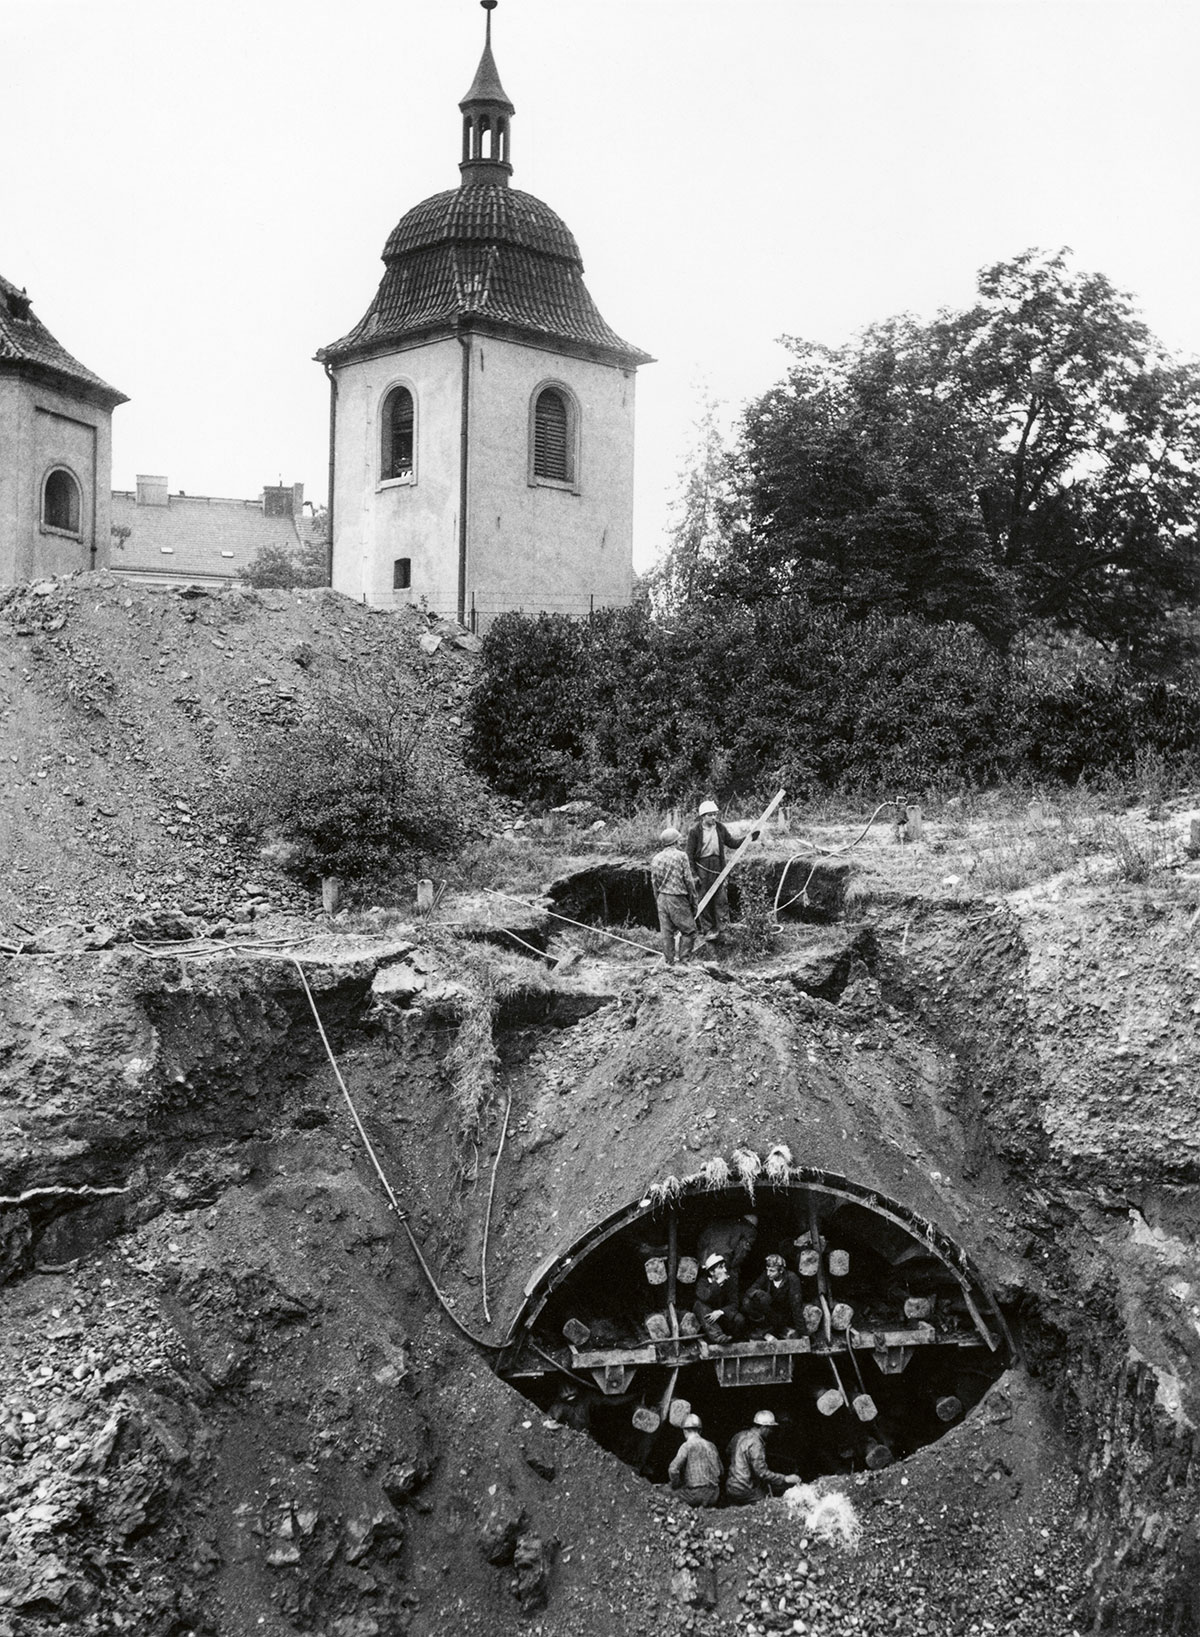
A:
[486,115]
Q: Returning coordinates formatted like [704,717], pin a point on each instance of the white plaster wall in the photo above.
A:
[41,427]
[374,523]
[530,545]
[12,465]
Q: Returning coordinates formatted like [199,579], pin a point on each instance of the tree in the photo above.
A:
[277,567]
[1036,458]
[704,522]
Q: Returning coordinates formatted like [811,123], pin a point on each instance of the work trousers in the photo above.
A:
[715,918]
[701,1495]
[675,915]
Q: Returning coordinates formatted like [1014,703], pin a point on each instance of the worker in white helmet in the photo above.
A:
[708,843]
[750,1477]
[695,1472]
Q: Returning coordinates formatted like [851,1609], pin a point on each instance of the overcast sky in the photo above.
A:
[196,195]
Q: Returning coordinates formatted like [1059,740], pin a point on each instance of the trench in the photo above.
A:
[897,1341]
[618,891]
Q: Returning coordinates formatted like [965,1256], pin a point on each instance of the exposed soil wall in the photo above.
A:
[234,1406]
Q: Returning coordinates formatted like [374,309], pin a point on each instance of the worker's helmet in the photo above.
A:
[708,806]
[670,834]
[692,1423]
[713,1261]
[764,1418]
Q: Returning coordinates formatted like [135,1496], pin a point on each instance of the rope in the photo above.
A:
[826,852]
[476,1341]
[487,1217]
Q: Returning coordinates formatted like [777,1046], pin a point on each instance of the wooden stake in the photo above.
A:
[576,1333]
[948,1408]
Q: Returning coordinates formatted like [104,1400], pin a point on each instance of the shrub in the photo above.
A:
[361,782]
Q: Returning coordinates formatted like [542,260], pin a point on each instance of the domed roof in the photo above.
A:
[483,256]
[490,214]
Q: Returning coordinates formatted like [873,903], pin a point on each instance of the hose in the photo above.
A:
[823,852]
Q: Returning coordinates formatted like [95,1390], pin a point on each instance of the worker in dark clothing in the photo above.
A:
[708,844]
[774,1304]
[717,1304]
[571,1408]
[729,1236]
[750,1478]
[695,1472]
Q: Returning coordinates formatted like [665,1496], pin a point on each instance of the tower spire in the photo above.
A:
[486,113]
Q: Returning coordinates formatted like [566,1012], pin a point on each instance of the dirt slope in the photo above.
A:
[126,716]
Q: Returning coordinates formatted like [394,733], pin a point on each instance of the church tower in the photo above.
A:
[481,425]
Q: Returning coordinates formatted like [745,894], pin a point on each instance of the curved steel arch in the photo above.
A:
[553,1270]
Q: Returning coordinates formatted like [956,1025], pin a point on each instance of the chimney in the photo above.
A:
[152,491]
[283,499]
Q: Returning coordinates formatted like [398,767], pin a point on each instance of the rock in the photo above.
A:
[695,1588]
[398,982]
[160,926]
[15,1239]
[429,643]
[500,1528]
[531,1586]
[402,1481]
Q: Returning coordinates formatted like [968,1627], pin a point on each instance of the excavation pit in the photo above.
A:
[899,1341]
[617,892]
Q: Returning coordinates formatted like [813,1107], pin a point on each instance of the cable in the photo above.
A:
[476,1341]
[822,852]
[487,1217]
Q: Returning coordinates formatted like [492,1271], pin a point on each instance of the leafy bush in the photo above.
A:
[274,567]
[628,709]
[360,782]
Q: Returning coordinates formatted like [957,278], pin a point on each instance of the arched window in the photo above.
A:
[61,503]
[553,436]
[398,439]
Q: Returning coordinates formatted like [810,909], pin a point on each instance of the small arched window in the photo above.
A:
[61,502]
[553,437]
[398,435]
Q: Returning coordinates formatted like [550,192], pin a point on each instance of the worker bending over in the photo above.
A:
[750,1478]
[695,1472]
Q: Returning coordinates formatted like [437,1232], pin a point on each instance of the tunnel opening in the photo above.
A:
[618,892]
[886,1339]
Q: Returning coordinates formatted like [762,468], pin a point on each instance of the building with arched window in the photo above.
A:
[55,450]
[481,425]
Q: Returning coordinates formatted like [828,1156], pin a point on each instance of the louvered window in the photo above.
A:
[398,421]
[553,441]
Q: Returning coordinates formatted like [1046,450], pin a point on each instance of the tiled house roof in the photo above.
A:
[487,254]
[194,537]
[26,345]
